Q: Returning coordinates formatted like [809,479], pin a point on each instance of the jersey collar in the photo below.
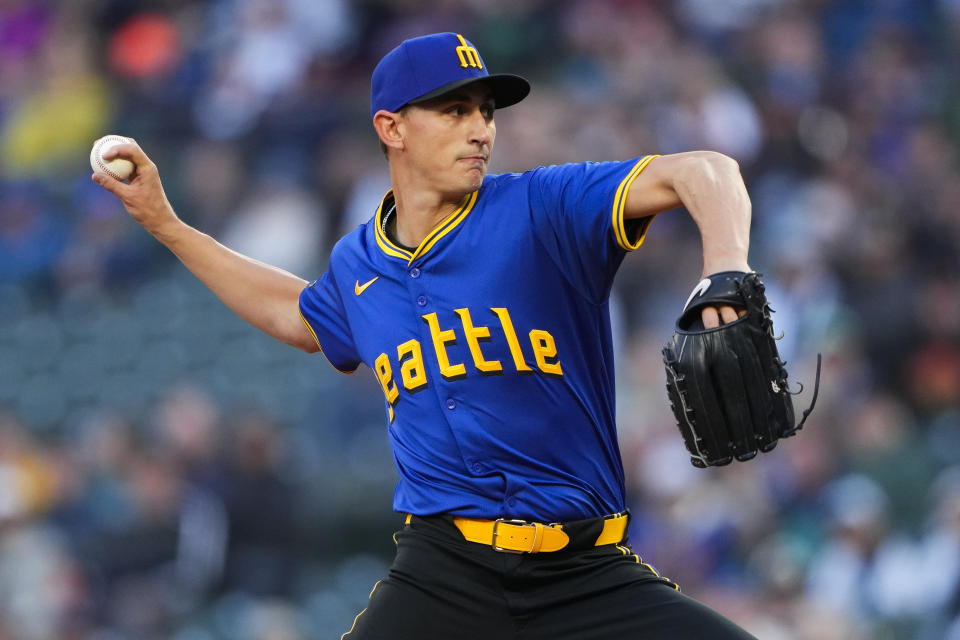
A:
[445,227]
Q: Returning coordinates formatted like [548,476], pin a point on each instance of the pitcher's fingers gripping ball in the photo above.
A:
[142,193]
[727,385]
[116,168]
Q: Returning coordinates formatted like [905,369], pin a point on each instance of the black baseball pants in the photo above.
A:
[442,587]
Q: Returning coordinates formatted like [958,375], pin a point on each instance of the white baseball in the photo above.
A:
[119,168]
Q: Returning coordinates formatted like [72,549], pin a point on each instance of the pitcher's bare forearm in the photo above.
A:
[709,185]
[713,192]
[263,295]
[711,188]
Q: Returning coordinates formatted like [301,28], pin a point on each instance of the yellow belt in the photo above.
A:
[520,536]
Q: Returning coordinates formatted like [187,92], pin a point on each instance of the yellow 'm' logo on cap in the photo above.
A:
[469,57]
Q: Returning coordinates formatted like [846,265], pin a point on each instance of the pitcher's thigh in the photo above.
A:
[639,611]
[402,611]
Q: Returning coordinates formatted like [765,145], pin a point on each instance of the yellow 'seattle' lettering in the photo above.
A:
[512,341]
[385,375]
[440,341]
[474,335]
[412,371]
[469,56]
[544,348]
[384,371]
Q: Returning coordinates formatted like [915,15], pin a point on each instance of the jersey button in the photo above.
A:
[422,301]
[451,404]
[477,467]
[414,272]
[512,502]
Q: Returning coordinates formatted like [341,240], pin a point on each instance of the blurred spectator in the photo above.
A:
[862,571]
[260,508]
[103,252]
[280,223]
[146,45]
[212,174]
[32,233]
[63,106]
[265,49]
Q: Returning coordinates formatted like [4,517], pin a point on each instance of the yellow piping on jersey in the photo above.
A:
[354,625]
[382,240]
[315,339]
[650,567]
[620,201]
[445,227]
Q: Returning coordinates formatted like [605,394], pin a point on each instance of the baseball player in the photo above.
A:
[480,303]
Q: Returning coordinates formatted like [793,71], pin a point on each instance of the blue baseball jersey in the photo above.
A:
[492,343]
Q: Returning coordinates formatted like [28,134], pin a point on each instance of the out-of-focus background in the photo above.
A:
[168,472]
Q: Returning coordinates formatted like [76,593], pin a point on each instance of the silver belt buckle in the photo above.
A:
[519,523]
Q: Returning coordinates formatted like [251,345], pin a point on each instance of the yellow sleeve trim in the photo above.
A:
[620,201]
[314,334]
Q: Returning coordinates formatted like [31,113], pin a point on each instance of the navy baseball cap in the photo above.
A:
[423,68]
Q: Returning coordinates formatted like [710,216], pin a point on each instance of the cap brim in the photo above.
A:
[507,89]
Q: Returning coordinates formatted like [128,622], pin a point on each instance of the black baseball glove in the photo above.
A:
[727,385]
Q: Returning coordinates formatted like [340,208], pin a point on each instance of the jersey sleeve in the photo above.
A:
[577,212]
[322,311]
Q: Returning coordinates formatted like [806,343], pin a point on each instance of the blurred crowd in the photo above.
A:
[167,472]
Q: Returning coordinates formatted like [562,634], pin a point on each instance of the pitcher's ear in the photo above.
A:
[387,125]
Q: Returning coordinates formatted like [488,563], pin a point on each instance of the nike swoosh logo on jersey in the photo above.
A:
[360,288]
[700,289]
